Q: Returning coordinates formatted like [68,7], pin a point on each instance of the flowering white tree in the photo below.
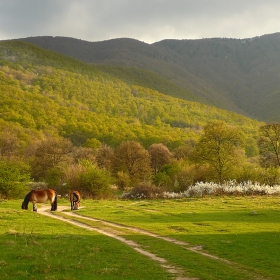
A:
[227,188]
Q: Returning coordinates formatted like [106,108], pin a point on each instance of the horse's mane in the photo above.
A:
[26,199]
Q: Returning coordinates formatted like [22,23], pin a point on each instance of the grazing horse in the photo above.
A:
[40,196]
[75,199]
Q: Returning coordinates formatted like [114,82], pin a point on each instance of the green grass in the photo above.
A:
[243,230]
[37,247]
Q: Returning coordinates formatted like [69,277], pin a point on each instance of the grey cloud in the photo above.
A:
[147,20]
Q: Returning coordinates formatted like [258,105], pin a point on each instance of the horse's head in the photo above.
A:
[77,205]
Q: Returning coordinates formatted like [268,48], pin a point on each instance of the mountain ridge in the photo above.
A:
[44,92]
[240,75]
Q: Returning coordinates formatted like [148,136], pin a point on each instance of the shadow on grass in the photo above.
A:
[70,256]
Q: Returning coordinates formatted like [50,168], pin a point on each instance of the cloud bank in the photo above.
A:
[148,21]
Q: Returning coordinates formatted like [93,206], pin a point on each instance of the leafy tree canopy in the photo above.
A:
[45,93]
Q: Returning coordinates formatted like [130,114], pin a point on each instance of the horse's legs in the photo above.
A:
[74,205]
[52,206]
[34,207]
[53,201]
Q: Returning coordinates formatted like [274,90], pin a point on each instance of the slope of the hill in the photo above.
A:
[133,53]
[247,71]
[235,74]
[44,92]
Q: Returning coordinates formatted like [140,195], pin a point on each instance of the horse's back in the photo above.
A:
[42,196]
[39,196]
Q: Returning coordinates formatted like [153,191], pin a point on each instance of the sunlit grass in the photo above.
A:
[37,247]
[244,230]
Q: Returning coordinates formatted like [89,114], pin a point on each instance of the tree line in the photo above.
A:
[73,125]
[217,155]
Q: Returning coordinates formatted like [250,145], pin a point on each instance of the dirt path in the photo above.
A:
[177,272]
[115,231]
[186,245]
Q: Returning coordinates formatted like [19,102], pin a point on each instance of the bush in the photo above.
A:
[144,191]
[89,179]
[270,176]
[37,185]
[201,189]
[96,182]
[123,181]
[14,177]
[166,177]
[53,178]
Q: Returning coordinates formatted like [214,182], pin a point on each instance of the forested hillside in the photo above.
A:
[70,124]
[43,92]
[241,75]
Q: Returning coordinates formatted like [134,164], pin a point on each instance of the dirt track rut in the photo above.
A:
[116,231]
[177,272]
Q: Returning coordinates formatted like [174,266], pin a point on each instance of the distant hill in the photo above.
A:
[241,75]
[44,92]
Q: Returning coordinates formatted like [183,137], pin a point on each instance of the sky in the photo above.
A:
[145,20]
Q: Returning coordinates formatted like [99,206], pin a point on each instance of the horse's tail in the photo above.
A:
[55,202]
[25,202]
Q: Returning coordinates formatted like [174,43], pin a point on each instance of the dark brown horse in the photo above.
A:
[40,196]
[75,199]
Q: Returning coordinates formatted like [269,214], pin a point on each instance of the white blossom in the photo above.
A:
[227,188]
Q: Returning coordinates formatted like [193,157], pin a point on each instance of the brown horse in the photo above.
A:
[75,199]
[40,196]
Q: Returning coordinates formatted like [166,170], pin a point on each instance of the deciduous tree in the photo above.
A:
[14,176]
[218,147]
[104,156]
[269,144]
[160,155]
[132,158]
[9,143]
[49,153]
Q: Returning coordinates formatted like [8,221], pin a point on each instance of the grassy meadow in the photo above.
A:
[243,231]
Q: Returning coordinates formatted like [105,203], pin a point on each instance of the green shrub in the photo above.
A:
[89,179]
[123,181]
[96,182]
[270,176]
[144,191]
[53,178]
[14,177]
